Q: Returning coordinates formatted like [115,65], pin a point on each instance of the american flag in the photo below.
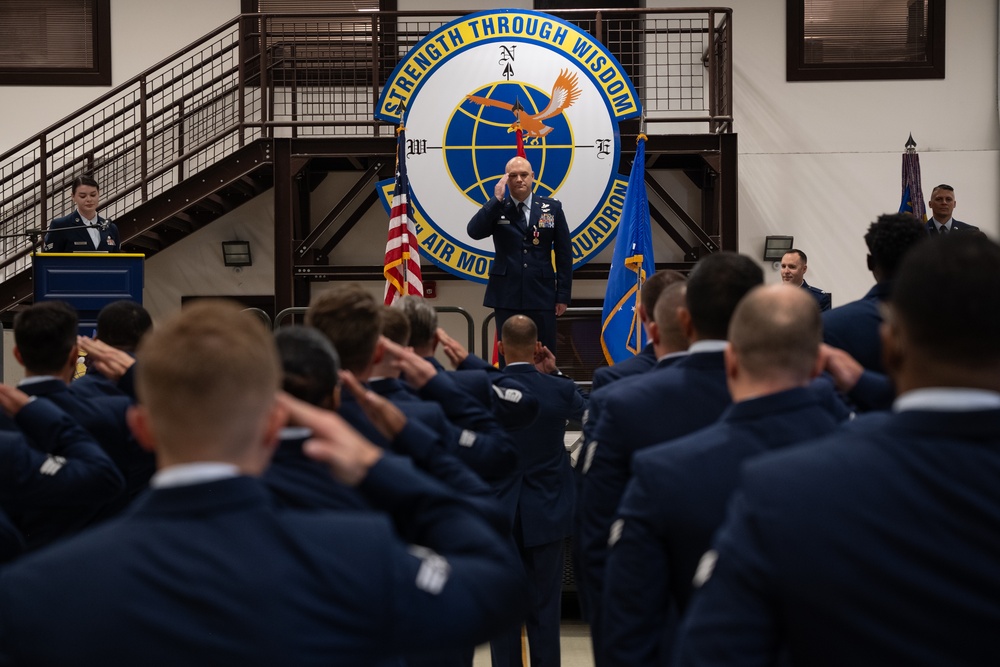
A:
[402,257]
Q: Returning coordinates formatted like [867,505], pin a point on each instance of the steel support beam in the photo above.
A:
[284,217]
[348,225]
[362,184]
[728,190]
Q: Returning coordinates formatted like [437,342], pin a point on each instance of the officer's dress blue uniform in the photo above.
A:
[78,240]
[879,548]
[639,363]
[468,431]
[54,478]
[823,298]
[92,383]
[104,418]
[956,226]
[591,418]
[513,405]
[541,497]
[854,328]
[429,452]
[521,276]
[212,574]
[11,540]
[636,412]
[674,503]
[297,481]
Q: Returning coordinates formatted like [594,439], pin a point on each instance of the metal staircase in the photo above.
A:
[279,100]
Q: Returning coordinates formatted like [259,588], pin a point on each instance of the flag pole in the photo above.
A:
[638,274]
[399,149]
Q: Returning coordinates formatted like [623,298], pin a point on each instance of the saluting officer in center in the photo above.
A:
[527,229]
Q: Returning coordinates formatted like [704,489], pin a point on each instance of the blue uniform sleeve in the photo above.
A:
[733,618]
[636,597]
[489,452]
[578,404]
[515,405]
[68,468]
[460,407]
[472,362]
[482,223]
[11,541]
[825,302]
[463,581]
[605,474]
[874,391]
[56,241]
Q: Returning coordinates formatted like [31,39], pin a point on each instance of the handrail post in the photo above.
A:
[266,130]
[43,190]
[713,82]
[241,74]
[143,136]
[180,140]
[729,67]
[293,49]
[376,44]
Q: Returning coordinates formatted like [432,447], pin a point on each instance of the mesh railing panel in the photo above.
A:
[321,76]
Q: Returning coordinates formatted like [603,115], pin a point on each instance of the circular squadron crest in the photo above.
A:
[462,91]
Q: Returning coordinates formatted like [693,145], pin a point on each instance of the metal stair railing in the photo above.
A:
[138,140]
[261,76]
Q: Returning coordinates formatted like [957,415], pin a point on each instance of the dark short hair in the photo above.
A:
[310,364]
[947,296]
[716,284]
[890,237]
[45,333]
[83,180]
[395,326]
[122,324]
[352,320]
[653,288]
[802,255]
[943,186]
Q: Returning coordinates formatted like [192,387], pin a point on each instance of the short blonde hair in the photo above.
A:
[208,378]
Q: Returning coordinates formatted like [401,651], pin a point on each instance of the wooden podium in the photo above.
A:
[88,281]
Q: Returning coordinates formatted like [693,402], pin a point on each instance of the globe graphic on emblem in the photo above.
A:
[478,142]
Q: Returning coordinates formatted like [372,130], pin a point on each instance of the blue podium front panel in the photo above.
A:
[88,281]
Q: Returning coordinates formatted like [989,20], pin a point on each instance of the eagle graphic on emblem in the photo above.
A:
[565,91]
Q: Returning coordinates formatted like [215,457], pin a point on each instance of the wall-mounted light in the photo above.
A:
[775,247]
[236,253]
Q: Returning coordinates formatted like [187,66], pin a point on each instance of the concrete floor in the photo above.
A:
[575,647]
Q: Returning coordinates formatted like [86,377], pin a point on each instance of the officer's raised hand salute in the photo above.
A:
[528,230]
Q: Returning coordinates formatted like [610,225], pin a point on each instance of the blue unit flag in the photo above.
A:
[622,334]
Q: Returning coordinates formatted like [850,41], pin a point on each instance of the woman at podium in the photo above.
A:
[83,230]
